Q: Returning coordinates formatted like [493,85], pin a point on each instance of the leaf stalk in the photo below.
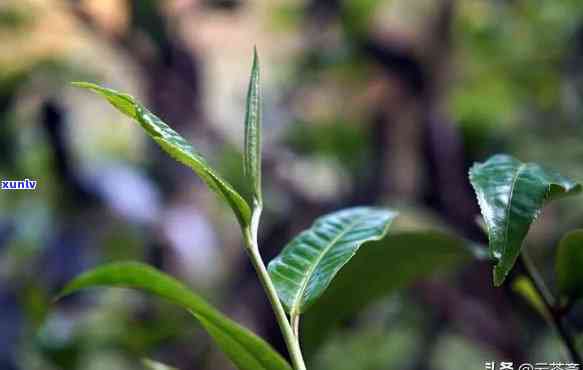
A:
[291,340]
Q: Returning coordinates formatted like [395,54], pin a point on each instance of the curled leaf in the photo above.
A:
[252,158]
[511,195]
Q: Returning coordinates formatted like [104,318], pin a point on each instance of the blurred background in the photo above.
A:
[365,102]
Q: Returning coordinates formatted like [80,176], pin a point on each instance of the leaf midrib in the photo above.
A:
[297,298]
[508,206]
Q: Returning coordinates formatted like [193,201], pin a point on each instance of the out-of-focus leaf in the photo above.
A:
[511,195]
[307,265]
[153,365]
[569,268]
[252,158]
[244,349]
[379,269]
[526,289]
[176,146]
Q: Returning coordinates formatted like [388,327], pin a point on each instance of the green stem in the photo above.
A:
[290,339]
[554,313]
[295,324]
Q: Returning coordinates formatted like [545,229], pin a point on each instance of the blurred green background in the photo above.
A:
[366,102]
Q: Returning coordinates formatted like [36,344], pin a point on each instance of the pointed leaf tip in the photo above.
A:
[176,146]
[511,195]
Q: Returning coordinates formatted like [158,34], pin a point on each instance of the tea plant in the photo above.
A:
[511,195]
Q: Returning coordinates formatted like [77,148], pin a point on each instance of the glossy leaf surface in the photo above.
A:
[175,145]
[569,268]
[379,269]
[307,265]
[252,158]
[244,349]
[511,195]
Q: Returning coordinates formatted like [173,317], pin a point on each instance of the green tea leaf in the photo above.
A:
[307,265]
[252,158]
[379,269]
[176,146]
[569,265]
[153,365]
[511,195]
[244,349]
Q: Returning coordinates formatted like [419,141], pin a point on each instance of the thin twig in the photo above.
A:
[554,313]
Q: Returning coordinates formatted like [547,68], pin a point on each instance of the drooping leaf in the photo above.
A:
[154,365]
[379,269]
[176,146]
[569,266]
[307,265]
[252,158]
[511,195]
[244,349]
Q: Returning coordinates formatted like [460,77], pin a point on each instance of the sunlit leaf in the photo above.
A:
[252,158]
[307,265]
[176,146]
[244,349]
[379,269]
[511,195]
[570,265]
